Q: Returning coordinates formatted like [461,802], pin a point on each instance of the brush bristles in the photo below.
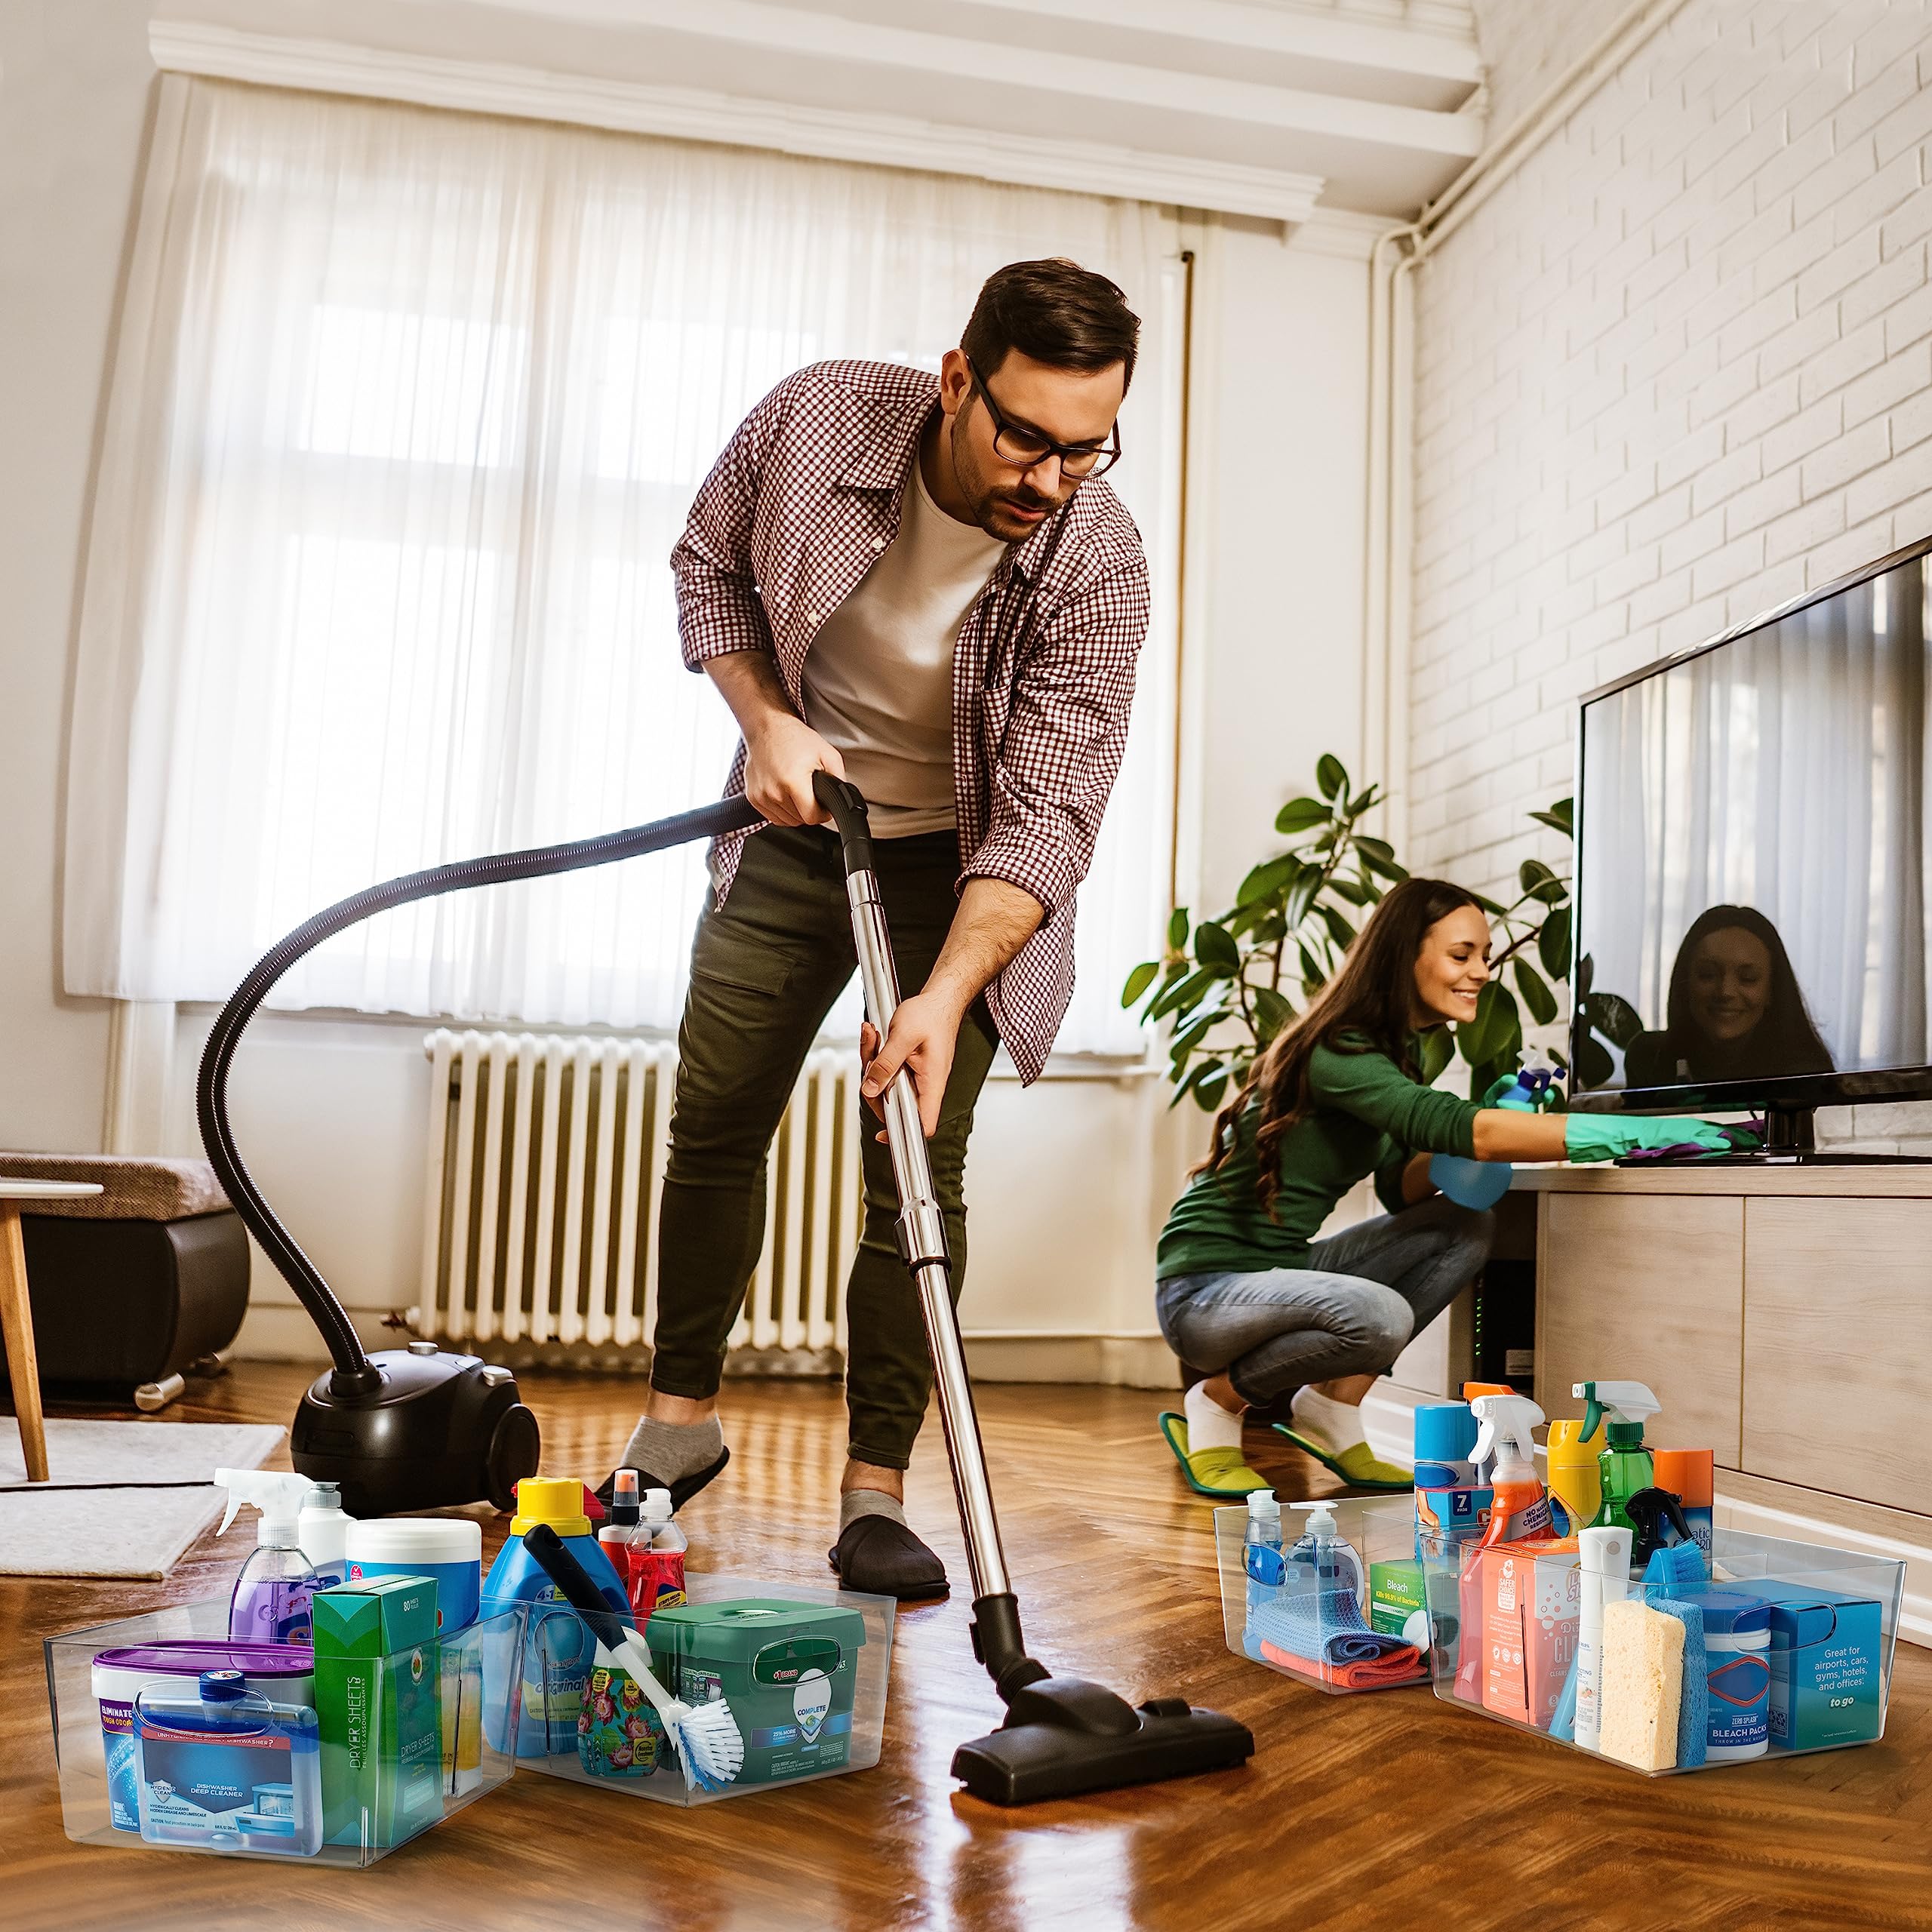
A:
[711,1745]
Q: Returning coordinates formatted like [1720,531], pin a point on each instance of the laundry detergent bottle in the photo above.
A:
[557,1649]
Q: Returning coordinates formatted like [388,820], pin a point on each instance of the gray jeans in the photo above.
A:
[1350,1311]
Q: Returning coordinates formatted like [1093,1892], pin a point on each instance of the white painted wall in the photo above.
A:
[1678,369]
[1069,1181]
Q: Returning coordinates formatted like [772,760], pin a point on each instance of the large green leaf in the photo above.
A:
[1480,1039]
[1438,1050]
[1300,815]
[1341,932]
[1177,930]
[1270,878]
[1143,976]
[1539,882]
[1561,817]
[1301,895]
[1194,1032]
[1214,947]
[1379,848]
[1537,996]
[1331,777]
[1207,1094]
[1384,868]
[1272,1013]
[1312,972]
[1353,890]
[1553,942]
[1489,906]
[1483,1077]
[1206,1070]
[1186,992]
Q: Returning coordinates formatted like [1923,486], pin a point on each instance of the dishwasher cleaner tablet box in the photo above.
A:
[379,1695]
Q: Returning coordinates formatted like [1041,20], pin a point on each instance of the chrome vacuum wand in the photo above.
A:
[1062,1736]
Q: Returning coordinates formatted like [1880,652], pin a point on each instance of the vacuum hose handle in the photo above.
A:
[354,1372]
[846,805]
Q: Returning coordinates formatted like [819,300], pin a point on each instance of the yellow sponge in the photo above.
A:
[1643,1680]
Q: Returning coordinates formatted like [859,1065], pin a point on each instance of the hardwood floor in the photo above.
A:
[1387,1809]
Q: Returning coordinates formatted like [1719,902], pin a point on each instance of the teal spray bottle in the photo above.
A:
[1624,1467]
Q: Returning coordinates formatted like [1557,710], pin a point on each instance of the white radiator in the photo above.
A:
[545,1168]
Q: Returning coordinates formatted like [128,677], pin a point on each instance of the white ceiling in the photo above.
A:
[1375,98]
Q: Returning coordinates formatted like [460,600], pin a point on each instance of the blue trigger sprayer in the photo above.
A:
[1481,1184]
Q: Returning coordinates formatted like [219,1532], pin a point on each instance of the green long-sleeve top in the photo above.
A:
[1366,1116]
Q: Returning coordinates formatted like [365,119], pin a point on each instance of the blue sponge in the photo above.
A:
[1694,1705]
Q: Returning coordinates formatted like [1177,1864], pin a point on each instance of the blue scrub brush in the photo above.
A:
[705,1737]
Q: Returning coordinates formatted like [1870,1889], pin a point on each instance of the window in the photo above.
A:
[407,413]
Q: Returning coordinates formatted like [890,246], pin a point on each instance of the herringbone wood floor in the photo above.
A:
[1381,1811]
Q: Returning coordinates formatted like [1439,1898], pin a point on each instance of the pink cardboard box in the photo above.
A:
[1531,1600]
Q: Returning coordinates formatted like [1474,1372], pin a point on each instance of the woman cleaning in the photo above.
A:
[1245,1291]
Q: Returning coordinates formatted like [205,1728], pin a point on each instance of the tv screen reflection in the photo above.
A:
[1752,890]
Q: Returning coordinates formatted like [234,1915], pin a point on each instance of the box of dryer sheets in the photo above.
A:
[379,1694]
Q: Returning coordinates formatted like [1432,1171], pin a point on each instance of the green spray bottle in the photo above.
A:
[1624,1467]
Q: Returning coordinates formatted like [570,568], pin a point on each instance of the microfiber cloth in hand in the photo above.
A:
[1694,1705]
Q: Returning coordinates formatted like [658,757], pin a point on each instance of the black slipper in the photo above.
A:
[884,1559]
[682,1490]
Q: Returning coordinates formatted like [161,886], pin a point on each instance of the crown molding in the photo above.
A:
[695,114]
[1342,231]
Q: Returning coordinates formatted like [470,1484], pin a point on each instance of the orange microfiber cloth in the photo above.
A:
[1401,1664]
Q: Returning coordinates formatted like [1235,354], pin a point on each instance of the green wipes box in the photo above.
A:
[378,1697]
[1395,1594]
[788,1670]
[1825,1657]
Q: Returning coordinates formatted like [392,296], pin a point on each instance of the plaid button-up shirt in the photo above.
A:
[797,509]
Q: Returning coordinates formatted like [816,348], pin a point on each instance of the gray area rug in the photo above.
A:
[83,1521]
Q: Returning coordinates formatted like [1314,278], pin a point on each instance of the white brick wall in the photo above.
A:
[1678,369]
[1527,44]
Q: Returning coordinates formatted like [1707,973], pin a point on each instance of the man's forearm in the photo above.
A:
[995,920]
[749,682]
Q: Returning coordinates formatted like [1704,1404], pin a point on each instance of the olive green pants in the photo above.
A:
[767,966]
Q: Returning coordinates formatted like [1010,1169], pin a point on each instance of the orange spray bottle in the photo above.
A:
[1519,1512]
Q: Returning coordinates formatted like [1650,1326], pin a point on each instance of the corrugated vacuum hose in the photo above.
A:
[1062,1736]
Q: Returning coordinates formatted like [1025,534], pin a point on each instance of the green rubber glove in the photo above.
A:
[1605,1136]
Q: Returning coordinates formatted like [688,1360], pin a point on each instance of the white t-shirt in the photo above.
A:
[878,676]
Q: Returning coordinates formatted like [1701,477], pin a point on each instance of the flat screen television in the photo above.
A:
[1754,865]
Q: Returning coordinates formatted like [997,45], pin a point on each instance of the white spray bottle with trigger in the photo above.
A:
[270,1604]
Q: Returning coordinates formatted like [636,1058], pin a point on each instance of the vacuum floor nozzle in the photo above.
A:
[1064,1737]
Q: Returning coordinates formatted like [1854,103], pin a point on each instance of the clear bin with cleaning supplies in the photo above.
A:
[1794,1645]
[808,1690]
[1335,1599]
[463,1690]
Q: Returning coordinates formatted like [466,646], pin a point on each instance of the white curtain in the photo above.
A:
[1785,771]
[407,413]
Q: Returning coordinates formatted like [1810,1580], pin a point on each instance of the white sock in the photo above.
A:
[1209,1426]
[1336,1426]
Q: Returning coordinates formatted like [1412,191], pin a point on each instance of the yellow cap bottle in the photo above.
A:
[1574,1479]
[553,1499]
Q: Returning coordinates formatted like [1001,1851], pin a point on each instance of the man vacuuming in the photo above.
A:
[922,587]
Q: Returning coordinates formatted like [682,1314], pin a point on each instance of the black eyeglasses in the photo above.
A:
[1024,447]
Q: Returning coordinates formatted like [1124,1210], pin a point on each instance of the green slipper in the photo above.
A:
[1221,1473]
[1357,1466]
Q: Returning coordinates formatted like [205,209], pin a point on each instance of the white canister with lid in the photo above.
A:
[449,1548]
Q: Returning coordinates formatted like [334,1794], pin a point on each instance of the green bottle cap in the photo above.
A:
[1626,1435]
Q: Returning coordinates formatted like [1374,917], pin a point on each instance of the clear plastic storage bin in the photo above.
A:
[1343,1621]
[1796,1654]
[450,1705]
[804,1670]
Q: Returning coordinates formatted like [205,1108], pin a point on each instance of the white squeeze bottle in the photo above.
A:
[324,1533]
[1603,1577]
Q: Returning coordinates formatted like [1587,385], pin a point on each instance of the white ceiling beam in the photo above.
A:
[849,43]
[697,114]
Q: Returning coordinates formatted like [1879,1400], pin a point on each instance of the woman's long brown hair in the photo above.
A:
[1372,995]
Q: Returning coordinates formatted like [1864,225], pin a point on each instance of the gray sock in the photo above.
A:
[672,1451]
[857,1502]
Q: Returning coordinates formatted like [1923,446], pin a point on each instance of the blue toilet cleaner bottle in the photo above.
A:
[558,1648]
[1262,1559]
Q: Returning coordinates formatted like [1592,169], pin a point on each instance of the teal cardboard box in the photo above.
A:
[1827,1659]
[378,1697]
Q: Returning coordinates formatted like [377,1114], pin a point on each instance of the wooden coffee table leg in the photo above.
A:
[16,1329]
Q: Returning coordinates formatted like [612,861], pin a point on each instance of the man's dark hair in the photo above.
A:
[1056,312]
